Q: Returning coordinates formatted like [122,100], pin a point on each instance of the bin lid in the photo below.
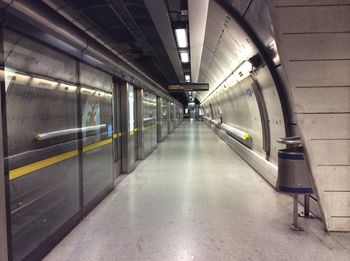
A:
[294,140]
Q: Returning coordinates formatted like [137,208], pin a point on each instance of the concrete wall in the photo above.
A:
[313,39]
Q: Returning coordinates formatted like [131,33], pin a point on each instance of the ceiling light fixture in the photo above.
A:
[181,37]
[184,7]
[185,57]
[187,77]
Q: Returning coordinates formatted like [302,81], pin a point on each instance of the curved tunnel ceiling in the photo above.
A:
[130,27]
[226,45]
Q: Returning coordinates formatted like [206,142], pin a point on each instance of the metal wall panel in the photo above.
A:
[237,106]
[153,116]
[141,138]
[163,119]
[117,129]
[91,76]
[273,106]
[37,59]
[147,122]
[257,15]
[169,118]
[226,45]
[128,107]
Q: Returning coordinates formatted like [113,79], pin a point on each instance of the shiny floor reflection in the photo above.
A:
[195,199]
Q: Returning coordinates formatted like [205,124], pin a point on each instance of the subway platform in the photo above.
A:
[194,198]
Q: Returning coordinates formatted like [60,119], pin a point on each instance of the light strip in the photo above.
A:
[239,73]
[185,58]
[181,37]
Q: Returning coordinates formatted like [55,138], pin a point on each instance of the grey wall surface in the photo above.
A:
[275,119]
[240,111]
[227,45]
[256,14]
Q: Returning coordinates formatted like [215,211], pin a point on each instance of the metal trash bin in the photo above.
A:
[293,173]
[294,176]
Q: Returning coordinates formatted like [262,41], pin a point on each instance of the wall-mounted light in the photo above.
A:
[184,7]
[256,61]
[245,69]
[181,37]
[185,57]
[242,71]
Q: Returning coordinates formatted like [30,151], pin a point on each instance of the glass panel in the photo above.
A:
[42,141]
[153,113]
[115,122]
[164,112]
[147,122]
[97,132]
[133,117]
[131,96]
[172,116]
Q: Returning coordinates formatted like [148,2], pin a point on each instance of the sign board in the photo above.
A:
[184,87]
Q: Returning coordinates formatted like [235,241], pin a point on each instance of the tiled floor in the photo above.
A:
[195,199]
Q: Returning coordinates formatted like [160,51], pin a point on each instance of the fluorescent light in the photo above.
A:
[187,77]
[181,37]
[185,58]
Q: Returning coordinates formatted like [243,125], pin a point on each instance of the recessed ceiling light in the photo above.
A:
[185,58]
[181,37]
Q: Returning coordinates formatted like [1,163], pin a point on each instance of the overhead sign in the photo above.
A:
[182,87]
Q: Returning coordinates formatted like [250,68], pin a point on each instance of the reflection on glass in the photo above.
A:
[45,196]
[96,120]
[131,108]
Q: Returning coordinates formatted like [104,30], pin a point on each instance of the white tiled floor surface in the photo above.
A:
[195,199]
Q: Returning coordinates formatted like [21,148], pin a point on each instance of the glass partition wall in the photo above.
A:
[97,134]
[59,142]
